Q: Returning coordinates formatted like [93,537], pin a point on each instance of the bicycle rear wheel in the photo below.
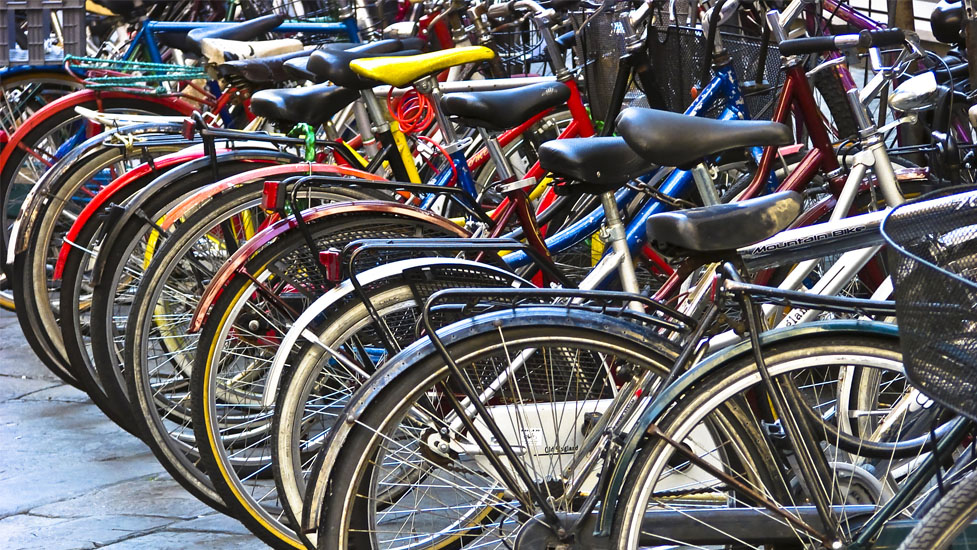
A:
[547,374]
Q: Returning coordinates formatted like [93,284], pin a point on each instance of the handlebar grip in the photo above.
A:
[814,44]
[889,37]
[864,39]
[501,10]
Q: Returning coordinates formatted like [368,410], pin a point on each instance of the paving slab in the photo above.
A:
[71,479]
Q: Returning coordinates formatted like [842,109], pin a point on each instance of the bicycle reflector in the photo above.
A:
[273,196]
[330,260]
[188,128]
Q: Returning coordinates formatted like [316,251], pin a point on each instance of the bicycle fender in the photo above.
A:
[77,98]
[708,366]
[103,197]
[337,295]
[133,207]
[272,232]
[402,362]
[194,202]
[24,223]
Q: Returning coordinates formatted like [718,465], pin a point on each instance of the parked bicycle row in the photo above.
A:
[650,274]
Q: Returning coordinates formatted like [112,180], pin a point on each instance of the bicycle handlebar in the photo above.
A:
[864,39]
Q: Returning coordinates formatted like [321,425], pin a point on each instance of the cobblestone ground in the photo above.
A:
[70,478]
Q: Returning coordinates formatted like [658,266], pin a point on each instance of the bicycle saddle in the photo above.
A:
[724,227]
[401,71]
[297,68]
[313,104]
[499,110]
[591,165]
[189,41]
[333,65]
[671,139]
[219,50]
[263,69]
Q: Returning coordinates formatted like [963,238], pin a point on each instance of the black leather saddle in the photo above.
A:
[313,104]
[591,165]
[499,110]
[723,228]
[330,65]
[262,70]
[190,41]
[671,139]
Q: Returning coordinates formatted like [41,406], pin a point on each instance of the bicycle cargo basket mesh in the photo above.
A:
[933,254]
[678,59]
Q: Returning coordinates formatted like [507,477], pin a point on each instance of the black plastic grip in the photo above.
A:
[889,37]
[247,30]
[814,44]
[864,39]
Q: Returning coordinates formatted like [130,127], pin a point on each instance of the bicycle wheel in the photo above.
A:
[238,341]
[84,315]
[24,93]
[51,138]
[52,215]
[664,485]
[158,348]
[947,525]
[315,388]
[548,376]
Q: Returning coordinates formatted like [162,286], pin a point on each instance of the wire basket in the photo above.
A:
[933,256]
[679,59]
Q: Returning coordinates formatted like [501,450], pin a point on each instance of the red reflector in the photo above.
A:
[188,128]
[330,260]
[3,136]
[273,196]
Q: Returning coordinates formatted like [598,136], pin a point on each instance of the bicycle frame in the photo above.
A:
[146,36]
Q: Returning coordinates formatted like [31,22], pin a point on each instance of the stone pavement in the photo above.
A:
[70,478]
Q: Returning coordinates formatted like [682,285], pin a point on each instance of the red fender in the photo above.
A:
[264,237]
[192,203]
[106,194]
[77,98]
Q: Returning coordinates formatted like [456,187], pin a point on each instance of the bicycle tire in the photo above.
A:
[406,382]
[164,423]
[397,299]
[725,389]
[30,278]
[75,330]
[283,262]
[944,526]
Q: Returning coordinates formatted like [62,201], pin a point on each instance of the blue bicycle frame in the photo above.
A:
[149,29]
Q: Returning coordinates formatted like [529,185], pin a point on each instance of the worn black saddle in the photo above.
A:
[591,165]
[671,139]
[314,104]
[499,110]
[723,228]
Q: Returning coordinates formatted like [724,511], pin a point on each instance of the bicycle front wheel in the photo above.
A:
[677,482]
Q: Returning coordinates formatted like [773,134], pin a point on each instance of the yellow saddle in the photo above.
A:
[401,71]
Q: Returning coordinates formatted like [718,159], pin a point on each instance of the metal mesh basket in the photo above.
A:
[934,260]
[679,58]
